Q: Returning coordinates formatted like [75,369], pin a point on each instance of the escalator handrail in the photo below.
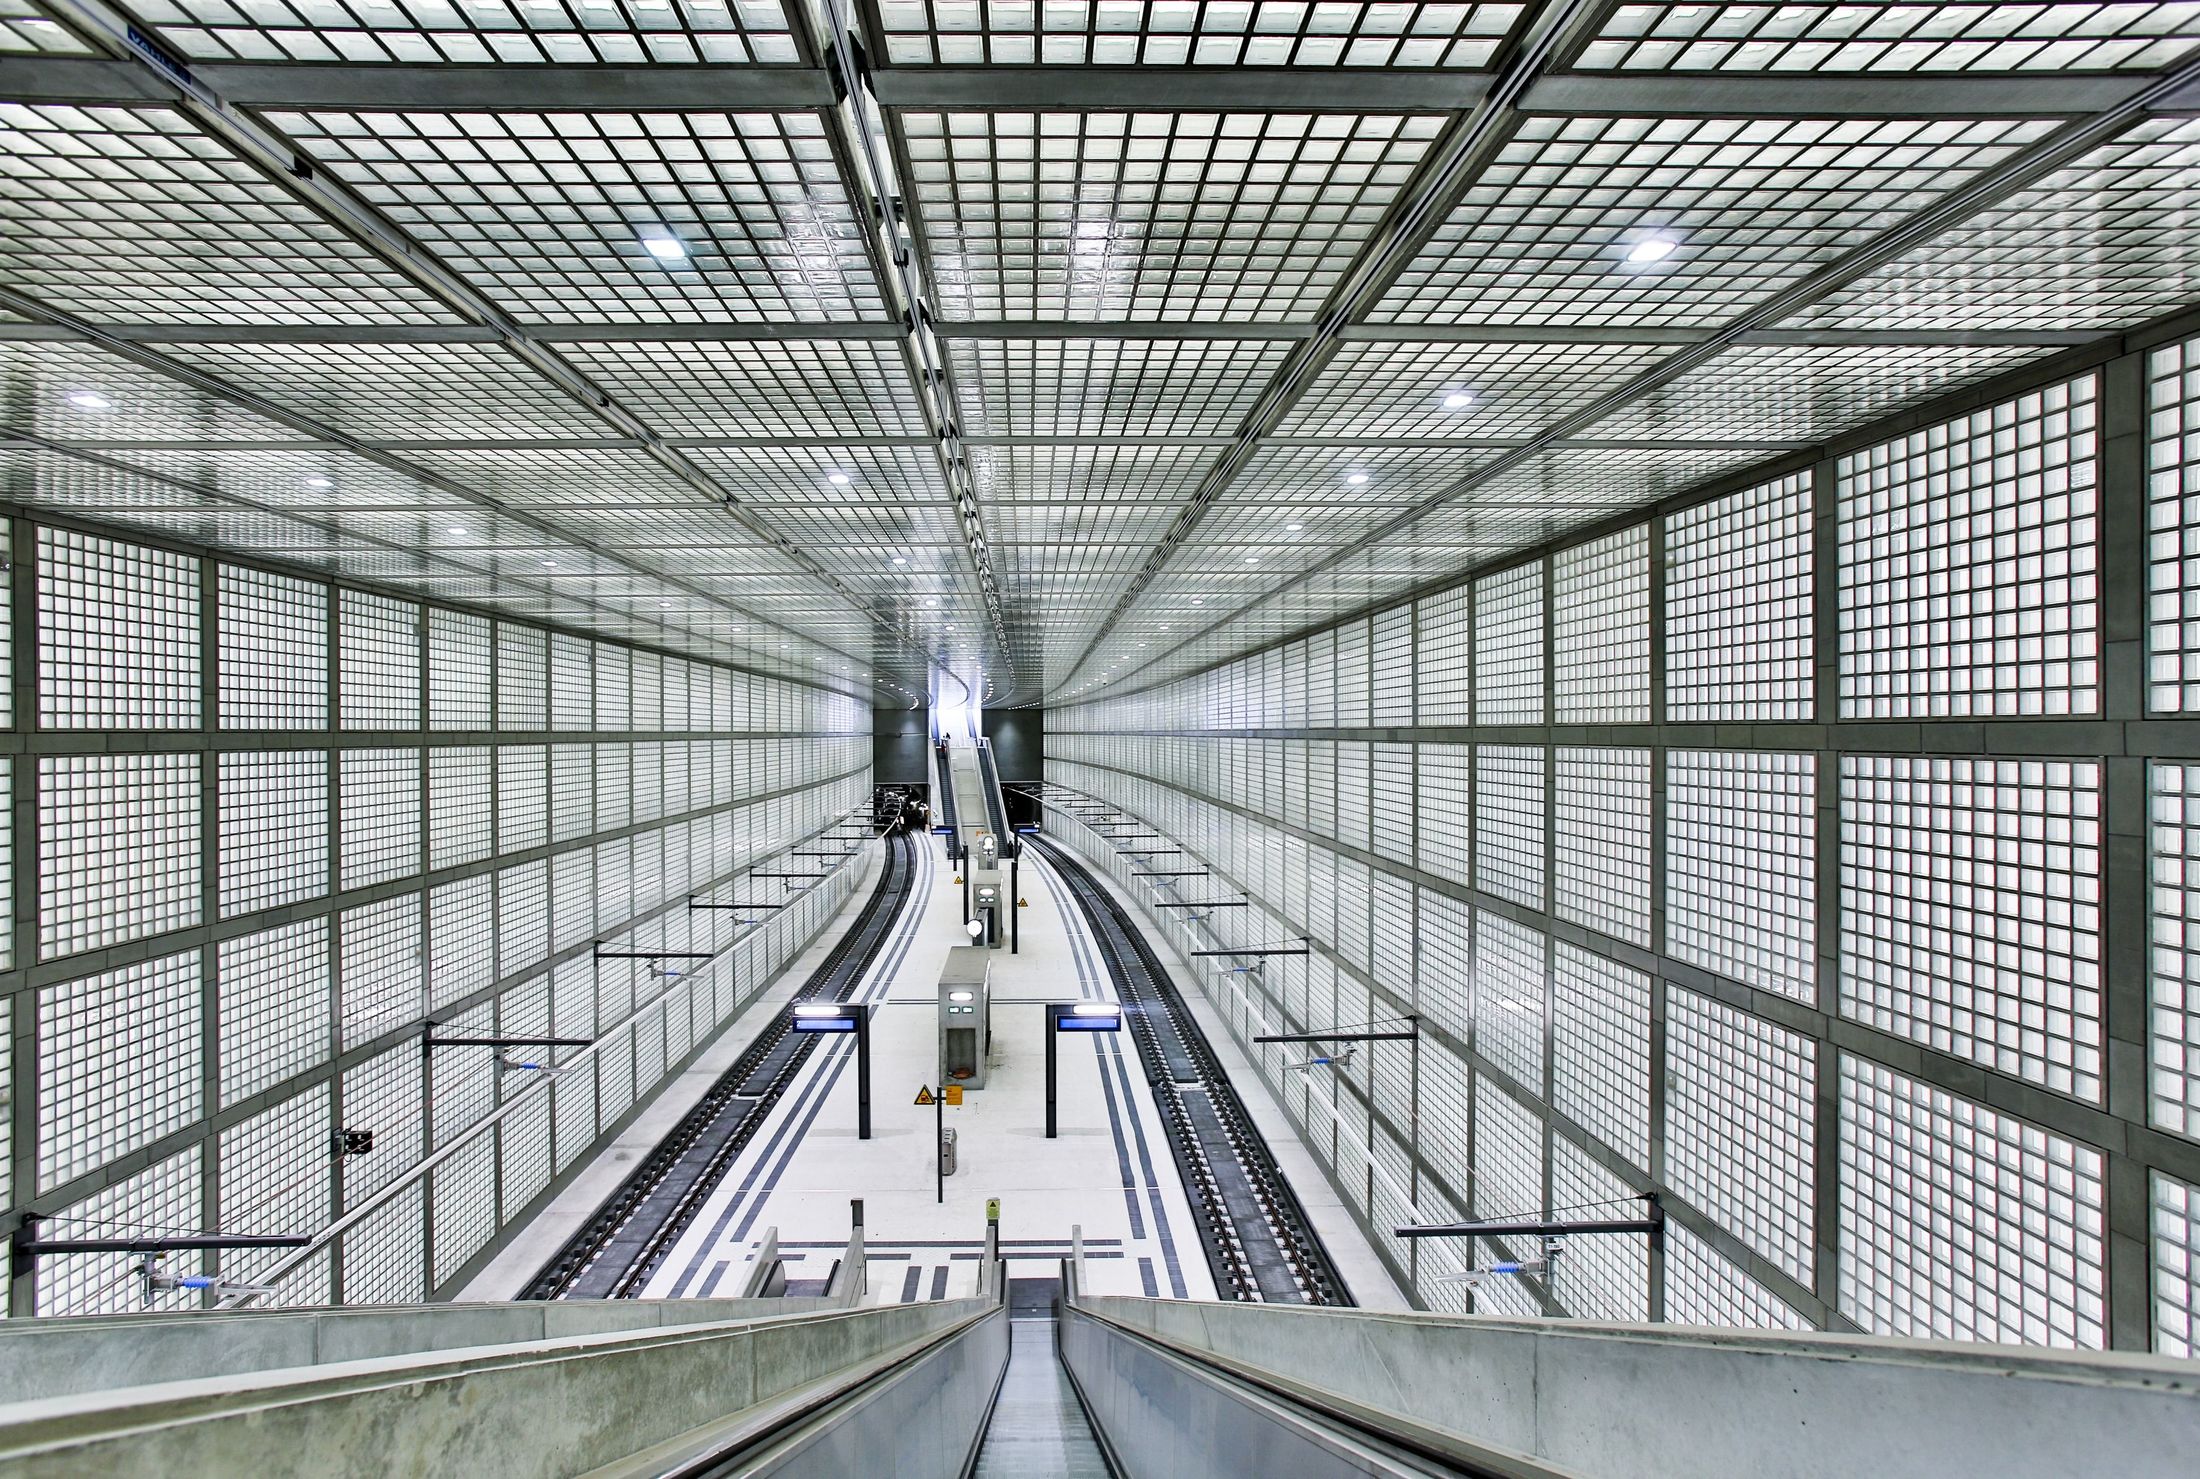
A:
[761,1431]
[1379,1424]
[996,806]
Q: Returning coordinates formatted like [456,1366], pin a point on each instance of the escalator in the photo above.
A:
[1038,1424]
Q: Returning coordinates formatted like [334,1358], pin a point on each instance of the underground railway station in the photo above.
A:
[964,739]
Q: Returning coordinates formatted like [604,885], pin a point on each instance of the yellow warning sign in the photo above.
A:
[954,1093]
[924,1096]
[1023,903]
[993,1209]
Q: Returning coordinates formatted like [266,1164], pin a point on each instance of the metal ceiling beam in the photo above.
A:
[709,87]
[1019,330]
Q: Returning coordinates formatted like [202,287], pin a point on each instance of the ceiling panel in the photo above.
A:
[570,31]
[1460,390]
[1804,392]
[1109,387]
[414,392]
[760,387]
[1844,36]
[1554,231]
[2106,243]
[1152,216]
[552,215]
[131,215]
[76,393]
[1163,33]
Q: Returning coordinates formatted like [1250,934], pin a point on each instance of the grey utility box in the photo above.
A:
[966,1015]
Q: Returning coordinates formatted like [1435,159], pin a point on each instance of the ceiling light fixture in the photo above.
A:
[1252,559]
[459,529]
[899,560]
[90,400]
[320,482]
[1355,478]
[1652,249]
[1293,528]
[837,479]
[665,248]
[1458,400]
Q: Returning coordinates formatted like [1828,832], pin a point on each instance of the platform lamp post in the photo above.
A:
[1075,1016]
[843,1016]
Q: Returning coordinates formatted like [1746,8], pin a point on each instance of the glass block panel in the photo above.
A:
[118,849]
[2173,528]
[274,828]
[1508,645]
[274,1178]
[1445,844]
[522,677]
[379,958]
[380,814]
[1968,558]
[522,797]
[167,1194]
[385,1253]
[118,634]
[1600,1046]
[2174,1035]
[1603,841]
[1702,1288]
[273,660]
[1511,997]
[384,1095]
[1605,1277]
[1741,1125]
[378,642]
[275,1006]
[2176,1228]
[1508,1155]
[1508,822]
[1600,629]
[461,806]
[461,940]
[1829,36]
[459,670]
[118,1064]
[1738,606]
[1443,666]
[1741,866]
[1960,1223]
[1970,910]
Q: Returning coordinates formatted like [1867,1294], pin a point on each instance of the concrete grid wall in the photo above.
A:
[1821,854]
[266,827]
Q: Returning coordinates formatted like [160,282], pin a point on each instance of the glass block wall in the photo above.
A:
[1820,851]
[266,829]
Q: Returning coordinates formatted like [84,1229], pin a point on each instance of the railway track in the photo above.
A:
[614,1254]
[1258,1240]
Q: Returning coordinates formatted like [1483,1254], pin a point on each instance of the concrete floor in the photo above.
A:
[1108,1172]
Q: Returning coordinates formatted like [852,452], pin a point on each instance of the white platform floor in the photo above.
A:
[1108,1171]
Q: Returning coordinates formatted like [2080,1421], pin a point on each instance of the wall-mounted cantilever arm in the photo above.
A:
[27,1246]
[1337,1036]
[1653,1224]
[1198,904]
[655,954]
[1295,950]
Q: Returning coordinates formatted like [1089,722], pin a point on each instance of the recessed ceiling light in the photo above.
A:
[1458,400]
[1252,559]
[458,528]
[838,479]
[899,560]
[665,248]
[1199,600]
[549,564]
[91,400]
[1355,478]
[1652,249]
[320,483]
[1293,528]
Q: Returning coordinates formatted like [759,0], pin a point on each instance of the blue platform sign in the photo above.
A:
[1109,1023]
[823,1024]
